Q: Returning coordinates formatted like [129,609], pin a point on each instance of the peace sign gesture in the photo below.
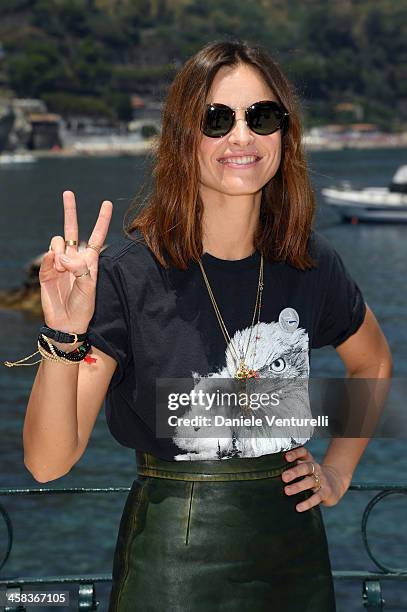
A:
[67,276]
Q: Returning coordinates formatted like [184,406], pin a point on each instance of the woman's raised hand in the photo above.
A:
[67,276]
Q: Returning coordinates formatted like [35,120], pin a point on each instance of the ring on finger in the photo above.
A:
[317,481]
[70,243]
[84,274]
[95,247]
[315,477]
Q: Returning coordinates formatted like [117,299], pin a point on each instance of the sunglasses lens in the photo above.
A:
[265,117]
[218,121]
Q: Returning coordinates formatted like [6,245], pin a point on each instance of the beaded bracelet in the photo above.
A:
[51,357]
[74,356]
[51,352]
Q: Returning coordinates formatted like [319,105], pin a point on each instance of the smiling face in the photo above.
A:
[238,86]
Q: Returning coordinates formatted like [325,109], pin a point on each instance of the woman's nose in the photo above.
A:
[240,133]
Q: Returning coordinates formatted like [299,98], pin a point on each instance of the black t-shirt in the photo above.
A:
[160,323]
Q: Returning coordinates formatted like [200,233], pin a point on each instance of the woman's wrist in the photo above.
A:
[343,477]
[63,336]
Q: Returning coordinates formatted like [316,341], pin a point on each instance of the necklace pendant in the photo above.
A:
[244,372]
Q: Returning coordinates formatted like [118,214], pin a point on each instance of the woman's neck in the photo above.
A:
[229,224]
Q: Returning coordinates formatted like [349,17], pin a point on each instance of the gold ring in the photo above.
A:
[317,481]
[84,274]
[315,477]
[94,247]
[70,243]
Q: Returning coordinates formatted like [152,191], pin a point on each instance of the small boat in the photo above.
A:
[371,203]
[17,158]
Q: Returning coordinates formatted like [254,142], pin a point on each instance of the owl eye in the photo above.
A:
[278,365]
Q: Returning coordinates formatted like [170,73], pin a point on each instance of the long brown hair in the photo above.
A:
[170,219]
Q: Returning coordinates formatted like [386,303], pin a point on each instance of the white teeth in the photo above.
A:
[239,160]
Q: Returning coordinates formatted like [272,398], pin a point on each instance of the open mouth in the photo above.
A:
[239,162]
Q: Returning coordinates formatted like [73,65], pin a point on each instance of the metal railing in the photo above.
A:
[372,598]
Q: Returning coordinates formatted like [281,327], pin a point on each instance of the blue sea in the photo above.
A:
[63,534]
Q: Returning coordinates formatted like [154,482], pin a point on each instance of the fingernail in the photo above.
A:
[64,259]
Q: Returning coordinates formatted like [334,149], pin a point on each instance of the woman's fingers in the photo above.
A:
[308,482]
[68,275]
[297,453]
[77,266]
[100,230]
[314,500]
[68,257]
[57,244]
[301,454]
[303,469]
[70,221]
[47,269]
[74,262]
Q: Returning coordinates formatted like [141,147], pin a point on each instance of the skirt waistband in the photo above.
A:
[235,468]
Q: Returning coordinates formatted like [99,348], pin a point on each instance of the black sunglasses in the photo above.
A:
[263,118]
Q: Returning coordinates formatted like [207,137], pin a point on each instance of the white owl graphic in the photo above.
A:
[278,352]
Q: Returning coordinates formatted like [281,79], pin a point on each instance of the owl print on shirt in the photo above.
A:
[278,352]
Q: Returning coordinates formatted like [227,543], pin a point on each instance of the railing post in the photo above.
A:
[87,597]
[372,595]
[14,590]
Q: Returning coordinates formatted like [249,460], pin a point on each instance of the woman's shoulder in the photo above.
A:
[320,248]
[128,246]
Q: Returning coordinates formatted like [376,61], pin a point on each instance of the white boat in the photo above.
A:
[17,158]
[372,203]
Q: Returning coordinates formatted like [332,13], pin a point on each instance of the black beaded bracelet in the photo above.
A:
[77,354]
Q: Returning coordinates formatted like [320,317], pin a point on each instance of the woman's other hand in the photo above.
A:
[333,485]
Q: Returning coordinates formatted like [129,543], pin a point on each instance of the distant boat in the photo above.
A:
[17,158]
[372,203]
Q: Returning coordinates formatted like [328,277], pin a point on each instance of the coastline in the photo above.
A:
[144,147]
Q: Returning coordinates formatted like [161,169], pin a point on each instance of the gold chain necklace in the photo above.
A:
[242,371]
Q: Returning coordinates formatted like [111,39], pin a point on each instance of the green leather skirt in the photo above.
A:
[209,536]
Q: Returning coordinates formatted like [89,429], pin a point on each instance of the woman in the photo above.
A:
[219,278]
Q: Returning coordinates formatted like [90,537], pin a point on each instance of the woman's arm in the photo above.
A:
[365,354]
[65,398]
[62,409]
